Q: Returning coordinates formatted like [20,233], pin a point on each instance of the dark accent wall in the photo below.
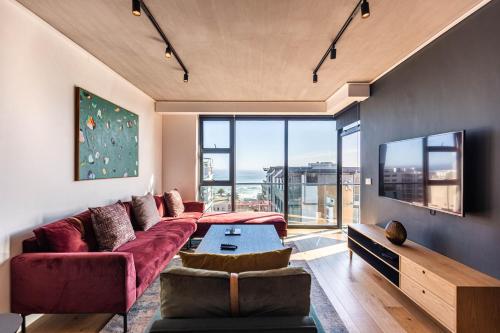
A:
[452,84]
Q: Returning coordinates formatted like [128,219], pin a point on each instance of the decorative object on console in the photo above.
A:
[112,226]
[145,211]
[459,297]
[107,139]
[173,201]
[395,232]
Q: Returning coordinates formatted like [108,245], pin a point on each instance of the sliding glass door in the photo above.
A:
[312,172]
[351,174]
[260,159]
[281,164]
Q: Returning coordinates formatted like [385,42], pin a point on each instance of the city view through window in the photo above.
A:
[259,169]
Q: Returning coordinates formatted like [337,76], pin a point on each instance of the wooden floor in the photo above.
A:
[365,301]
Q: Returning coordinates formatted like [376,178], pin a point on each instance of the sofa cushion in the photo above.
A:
[112,226]
[89,234]
[130,211]
[260,293]
[211,218]
[174,204]
[192,215]
[237,263]
[153,249]
[145,211]
[62,236]
[160,205]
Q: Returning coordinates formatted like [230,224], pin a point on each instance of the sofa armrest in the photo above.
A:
[87,282]
[194,206]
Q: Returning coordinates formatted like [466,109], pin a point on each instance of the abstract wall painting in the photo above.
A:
[107,139]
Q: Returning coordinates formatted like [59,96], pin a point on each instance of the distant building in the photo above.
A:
[312,192]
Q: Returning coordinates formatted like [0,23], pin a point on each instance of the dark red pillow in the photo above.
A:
[63,236]
[160,204]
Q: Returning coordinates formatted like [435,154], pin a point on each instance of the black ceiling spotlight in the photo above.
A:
[365,9]
[333,53]
[332,50]
[136,7]
[168,52]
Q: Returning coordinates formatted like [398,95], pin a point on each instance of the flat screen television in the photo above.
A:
[425,171]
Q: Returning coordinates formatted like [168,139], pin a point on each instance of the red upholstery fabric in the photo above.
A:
[65,236]
[153,249]
[209,219]
[72,283]
[89,234]
[130,211]
[160,205]
[93,282]
[110,282]
[194,206]
[186,215]
[30,245]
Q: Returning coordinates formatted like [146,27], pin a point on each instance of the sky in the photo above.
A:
[260,143]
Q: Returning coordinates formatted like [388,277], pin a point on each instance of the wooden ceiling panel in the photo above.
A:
[248,50]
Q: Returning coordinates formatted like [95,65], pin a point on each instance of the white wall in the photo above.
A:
[39,69]
[180,155]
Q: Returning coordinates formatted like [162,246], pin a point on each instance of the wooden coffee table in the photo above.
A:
[253,238]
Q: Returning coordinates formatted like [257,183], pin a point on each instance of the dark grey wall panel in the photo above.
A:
[452,84]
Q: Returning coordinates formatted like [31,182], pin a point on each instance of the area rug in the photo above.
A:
[324,314]
[147,308]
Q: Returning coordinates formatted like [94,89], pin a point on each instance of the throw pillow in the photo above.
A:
[237,263]
[63,236]
[173,201]
[112,226]
[145,211]
[197,293]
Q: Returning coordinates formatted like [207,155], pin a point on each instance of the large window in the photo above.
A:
[276,164]
[216,163]
[312,172]
[260,159]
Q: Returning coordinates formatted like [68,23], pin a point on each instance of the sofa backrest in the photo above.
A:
[83,221]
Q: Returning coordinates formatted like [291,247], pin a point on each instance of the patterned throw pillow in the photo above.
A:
[112,226]
[145,211]
[173,200]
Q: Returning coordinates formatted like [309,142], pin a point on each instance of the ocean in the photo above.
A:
[242,176]
[247,191]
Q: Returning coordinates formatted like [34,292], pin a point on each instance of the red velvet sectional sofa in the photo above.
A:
[80,279]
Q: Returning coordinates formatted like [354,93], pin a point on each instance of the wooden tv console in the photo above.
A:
[459,297]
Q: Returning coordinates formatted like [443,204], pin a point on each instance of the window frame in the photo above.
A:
[202,151]
[231,151]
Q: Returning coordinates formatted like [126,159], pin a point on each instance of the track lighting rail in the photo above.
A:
[365,12]
[164,37]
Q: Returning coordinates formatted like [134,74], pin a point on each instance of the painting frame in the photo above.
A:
[105,154]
